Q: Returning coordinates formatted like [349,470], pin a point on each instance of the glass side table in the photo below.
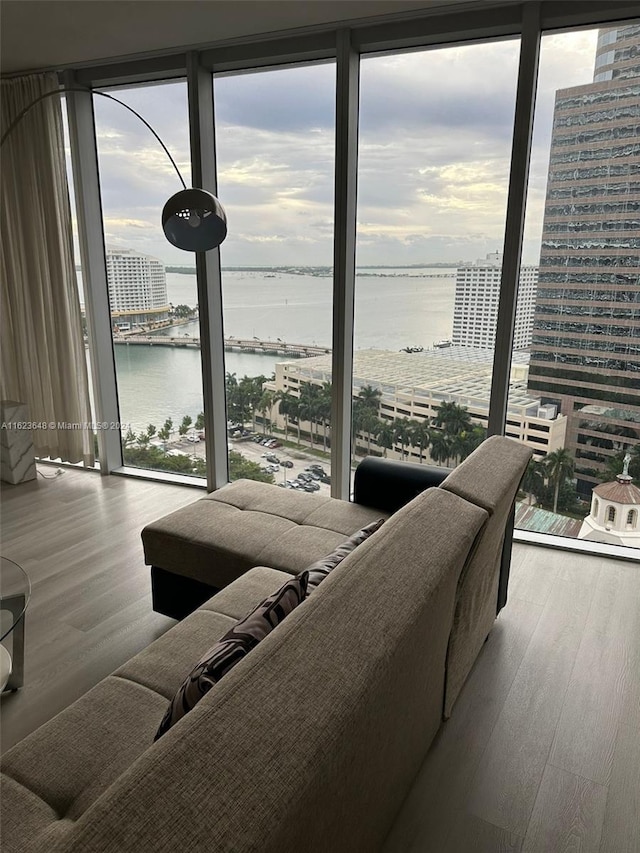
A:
[15,591]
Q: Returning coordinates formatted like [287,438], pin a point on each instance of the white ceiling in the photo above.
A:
[39,34]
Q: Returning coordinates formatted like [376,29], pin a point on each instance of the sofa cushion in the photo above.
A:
[230,649]
[241,596]
[69,761]
[319,570]
[245,524]
[163,664]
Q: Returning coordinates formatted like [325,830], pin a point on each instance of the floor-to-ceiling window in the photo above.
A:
[435,141]
[583,232]
[275,156]
[436,128]
[152,285]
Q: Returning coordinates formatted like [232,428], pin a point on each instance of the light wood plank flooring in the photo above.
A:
[78,538]
[542,752]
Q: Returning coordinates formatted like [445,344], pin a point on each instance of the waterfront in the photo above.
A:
[394,309]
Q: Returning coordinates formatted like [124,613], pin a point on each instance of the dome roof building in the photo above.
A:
[615,512]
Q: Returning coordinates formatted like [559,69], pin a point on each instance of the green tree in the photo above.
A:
[615,464]
[402,433]
[324,411]
[370,425]
[131,438]
[533,480]
[420,436]
[566,499]
[466,441]
[310,405]
[370,397]
[441,447]
[183,311]
[165,433]
[452,418]
[264,406]
[199,424]
[183,429]
[287,407]
[241,468]
[559,467]
[386,435]
[250,390]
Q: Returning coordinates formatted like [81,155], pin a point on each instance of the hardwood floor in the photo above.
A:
[542,753]
[77,536]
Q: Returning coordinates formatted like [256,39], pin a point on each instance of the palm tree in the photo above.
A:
[386,435]
[465,442]
[310,406]
[264,405]
[402,433]
[452,418]
[370,397]
[559,467]
[324,411]
[420,436]
[533,480]
[441,447]
[286,406]
[370,425]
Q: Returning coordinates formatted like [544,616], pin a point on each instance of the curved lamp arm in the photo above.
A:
[192,219]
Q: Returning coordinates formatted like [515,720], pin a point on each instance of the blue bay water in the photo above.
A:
[394,309]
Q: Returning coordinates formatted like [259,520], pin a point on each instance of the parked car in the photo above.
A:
[286,463]
[194,439]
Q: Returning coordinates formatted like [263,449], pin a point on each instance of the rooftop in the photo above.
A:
[462,374]
[620,491]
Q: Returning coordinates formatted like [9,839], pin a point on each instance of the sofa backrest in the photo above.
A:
[311,742]
[489,477]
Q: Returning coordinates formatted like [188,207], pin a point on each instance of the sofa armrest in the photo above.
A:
[388,485]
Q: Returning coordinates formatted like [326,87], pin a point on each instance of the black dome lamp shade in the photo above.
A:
[192,219]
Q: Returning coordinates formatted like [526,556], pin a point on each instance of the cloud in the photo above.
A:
[434,152]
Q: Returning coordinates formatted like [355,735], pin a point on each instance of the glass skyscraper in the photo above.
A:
[585,353]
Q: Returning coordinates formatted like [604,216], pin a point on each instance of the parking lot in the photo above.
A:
[296,462]
[291,468]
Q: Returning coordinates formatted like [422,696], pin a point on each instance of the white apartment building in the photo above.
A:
[414,385]
[137,289]
[475,311]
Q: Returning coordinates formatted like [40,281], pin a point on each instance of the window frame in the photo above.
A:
[344,44]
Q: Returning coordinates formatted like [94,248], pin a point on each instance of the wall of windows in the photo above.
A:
[434,169]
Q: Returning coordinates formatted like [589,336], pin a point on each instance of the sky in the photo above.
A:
[434,148]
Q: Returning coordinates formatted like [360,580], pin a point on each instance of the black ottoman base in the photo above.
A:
[177,596]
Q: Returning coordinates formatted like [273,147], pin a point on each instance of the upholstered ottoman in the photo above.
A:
[203,547]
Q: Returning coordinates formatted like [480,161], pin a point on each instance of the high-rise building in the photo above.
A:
[585,353]
[475,310]
[137,289]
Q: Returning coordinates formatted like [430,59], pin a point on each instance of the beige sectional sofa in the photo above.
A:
[311,742]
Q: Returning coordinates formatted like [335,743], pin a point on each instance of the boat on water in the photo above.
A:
[442,344]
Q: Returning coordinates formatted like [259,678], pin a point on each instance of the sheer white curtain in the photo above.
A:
[43,355]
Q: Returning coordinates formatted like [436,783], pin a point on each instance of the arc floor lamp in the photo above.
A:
[192,219]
